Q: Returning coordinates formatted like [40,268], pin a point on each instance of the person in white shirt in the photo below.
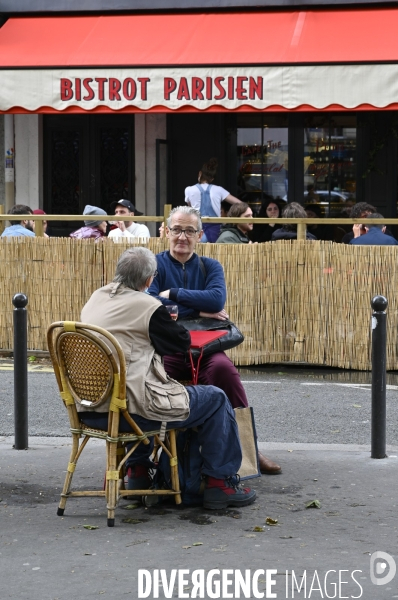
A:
[207,198]
[127,229]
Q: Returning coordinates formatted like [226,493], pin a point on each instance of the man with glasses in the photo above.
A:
[197,286]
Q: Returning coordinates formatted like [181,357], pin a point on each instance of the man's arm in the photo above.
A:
[167,336]
[211,298]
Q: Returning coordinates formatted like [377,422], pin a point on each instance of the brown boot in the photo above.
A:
[267,466]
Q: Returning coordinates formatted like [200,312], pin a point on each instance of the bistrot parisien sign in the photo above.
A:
[289,87]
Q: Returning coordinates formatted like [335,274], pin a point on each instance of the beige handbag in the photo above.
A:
[248,441]
[165,399]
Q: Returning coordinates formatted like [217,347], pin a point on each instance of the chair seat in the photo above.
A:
[121,437]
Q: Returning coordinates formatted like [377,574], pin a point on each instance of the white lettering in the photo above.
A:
[213,592]
[256,592]
[357,582]
[242,584]
[341,582]
[269,583]
[226,583]
[315,589]
[334,585]
[303,582]
[144,574]
[198,580]
[181,583]
[168,587]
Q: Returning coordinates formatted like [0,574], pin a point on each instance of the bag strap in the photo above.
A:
[202,268]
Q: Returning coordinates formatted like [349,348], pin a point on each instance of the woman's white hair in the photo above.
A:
[134,267]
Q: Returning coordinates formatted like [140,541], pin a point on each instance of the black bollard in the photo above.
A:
[20,372]
[379,363]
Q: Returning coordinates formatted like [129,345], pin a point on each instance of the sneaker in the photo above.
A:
[221,493]
[138,478]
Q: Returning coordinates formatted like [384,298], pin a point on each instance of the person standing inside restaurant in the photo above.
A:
[207,197]
[198,287]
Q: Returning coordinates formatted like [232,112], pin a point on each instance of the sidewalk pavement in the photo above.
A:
[45,557]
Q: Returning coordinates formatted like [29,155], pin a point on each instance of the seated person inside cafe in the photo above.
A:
[293,210]
[360,210]
[25,227]
[375,233]
[198,288]
[262,232]
[236,233]
[94,228]
[127,229]
[146,332]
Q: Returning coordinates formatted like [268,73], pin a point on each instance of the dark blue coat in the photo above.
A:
[374,237]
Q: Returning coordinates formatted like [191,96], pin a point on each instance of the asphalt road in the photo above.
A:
[291,405]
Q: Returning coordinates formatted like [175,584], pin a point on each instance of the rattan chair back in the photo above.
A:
[87,367]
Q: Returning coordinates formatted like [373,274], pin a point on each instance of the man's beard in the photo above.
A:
[29,226]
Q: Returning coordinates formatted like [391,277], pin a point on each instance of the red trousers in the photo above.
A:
[216,369]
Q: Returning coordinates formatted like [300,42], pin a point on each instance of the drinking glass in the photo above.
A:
[172,309]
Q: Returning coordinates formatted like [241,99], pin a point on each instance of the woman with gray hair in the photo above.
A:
[288,231]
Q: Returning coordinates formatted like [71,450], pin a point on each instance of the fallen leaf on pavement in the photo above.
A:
[313,504]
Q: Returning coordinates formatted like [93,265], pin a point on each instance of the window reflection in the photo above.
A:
[330,163]
[262,159]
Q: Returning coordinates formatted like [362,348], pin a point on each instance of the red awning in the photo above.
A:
[341,59]
[254,38]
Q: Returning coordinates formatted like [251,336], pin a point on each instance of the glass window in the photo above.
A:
[330,163]
[262,145]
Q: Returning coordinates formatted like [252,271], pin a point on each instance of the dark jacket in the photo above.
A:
[374,237]
[230,234]
[262,232]
[285,234]
[193,287]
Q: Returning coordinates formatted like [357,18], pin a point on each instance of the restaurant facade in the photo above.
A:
[299,103]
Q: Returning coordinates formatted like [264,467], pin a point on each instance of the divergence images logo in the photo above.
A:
[378,565]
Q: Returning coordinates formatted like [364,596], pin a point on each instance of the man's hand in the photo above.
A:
[357,230]
[221,316]
[165,294]
[121,225]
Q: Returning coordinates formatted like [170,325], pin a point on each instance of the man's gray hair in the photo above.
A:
[185,210]
[134,267]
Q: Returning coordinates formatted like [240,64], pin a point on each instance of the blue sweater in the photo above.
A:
[190,288]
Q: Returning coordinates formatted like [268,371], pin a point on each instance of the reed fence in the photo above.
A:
[295,301]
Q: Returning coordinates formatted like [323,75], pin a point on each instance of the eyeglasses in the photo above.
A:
[190,232]
[154,275]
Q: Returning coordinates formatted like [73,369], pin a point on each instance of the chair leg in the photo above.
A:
[69,474]
[112,484]
[175,481]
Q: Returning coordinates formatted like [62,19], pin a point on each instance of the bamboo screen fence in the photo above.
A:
[294,301]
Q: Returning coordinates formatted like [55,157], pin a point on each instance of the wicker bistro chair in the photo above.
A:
[90,368]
